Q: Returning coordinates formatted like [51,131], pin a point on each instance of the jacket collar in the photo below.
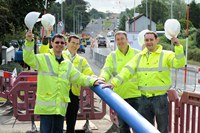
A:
[159,49]
[52,53]
[118,51]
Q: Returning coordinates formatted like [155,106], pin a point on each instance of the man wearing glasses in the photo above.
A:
[82,65]
[55,76]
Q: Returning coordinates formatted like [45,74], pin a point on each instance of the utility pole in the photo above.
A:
[45,8]
[150,15]
[171,9]
[62,20]
[186,46]
[74,18]
[134,17]
[147,13]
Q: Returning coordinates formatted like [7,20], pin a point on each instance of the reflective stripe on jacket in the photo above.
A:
[114,63]
[152,69]
[82,65]
[53,81]
[79,62]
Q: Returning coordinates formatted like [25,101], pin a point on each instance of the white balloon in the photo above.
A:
[141,36]
[172,27]
[30,19]
[47,20]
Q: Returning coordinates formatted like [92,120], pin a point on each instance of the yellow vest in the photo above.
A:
[54,80]
[82,65]
[152,70]
[114,63]
[79,62]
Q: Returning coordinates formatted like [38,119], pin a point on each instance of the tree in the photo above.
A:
[96,14]
[79,6]
[179,9]
[12,17]
[194,14]
[183,23]
[122,22]
[4,11]
[198,38]
[159,10]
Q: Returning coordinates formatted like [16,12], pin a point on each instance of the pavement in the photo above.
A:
[9,124]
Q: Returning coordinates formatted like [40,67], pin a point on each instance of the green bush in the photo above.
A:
[166,43]
[11,66]
[160,27]
[194,54]
[198,38]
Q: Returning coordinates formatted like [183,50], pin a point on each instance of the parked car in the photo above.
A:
[102,41]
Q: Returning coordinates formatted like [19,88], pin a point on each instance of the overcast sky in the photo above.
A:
[115,6]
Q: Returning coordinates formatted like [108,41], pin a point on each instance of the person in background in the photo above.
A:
[55,76]
[152,67]
[82,65]
[114,63]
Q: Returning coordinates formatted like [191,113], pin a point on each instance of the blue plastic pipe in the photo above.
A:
[125,111]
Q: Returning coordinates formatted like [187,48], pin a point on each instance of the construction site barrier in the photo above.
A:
[5,83]
[23,108]
[90,107]
[113,117]
[23,95]
[184,116]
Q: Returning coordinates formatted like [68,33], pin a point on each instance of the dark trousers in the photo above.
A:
[123,126]
[51,123]
[72,111]
[156,107]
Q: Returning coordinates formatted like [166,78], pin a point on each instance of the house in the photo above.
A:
[138,23]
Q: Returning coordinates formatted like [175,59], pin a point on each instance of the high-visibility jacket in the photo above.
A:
[82,65]
[152,70]
[44,48]
[78,61]
[114,63]
[54,80]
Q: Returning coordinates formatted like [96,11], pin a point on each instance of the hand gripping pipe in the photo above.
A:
[125,111]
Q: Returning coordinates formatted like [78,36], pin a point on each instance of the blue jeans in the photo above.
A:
[123,126]
[51,123]
[156,107]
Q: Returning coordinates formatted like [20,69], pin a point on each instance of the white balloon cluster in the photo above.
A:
[172,28]
[32,17]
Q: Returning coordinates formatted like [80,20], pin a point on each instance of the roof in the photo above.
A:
[131,20]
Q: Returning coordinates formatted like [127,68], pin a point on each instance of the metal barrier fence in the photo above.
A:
[192,80]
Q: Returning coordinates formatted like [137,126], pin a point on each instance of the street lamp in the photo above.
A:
[171,9]
[45,8]
[186,47]
[79,21]
[147,13]
[62,18]
[74,16]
